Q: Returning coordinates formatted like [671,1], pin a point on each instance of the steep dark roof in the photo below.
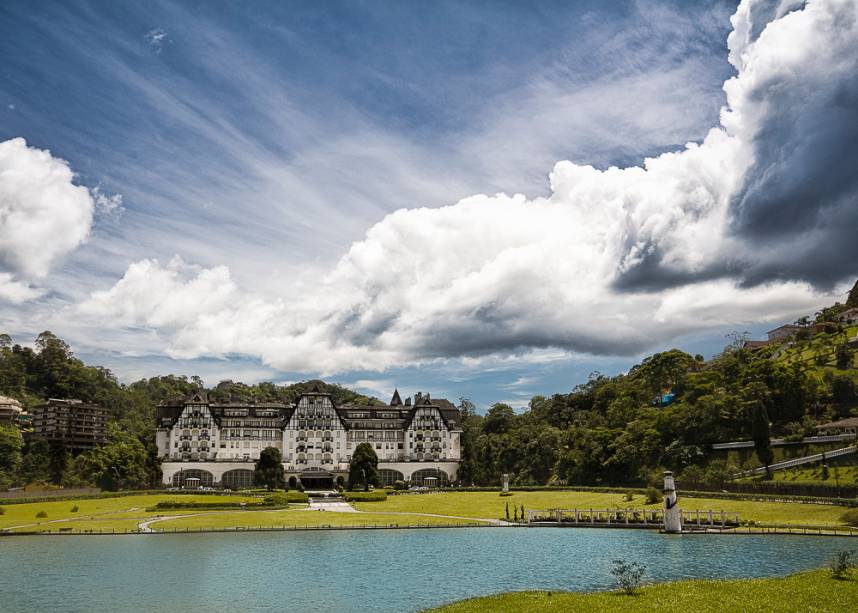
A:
[396,400]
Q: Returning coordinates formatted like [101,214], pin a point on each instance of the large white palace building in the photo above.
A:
[218,443]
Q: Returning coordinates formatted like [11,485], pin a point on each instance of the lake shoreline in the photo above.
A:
[741,531]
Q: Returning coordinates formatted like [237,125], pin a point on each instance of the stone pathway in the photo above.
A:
[335,506]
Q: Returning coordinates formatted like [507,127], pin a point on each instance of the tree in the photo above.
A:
[268,471]
[58,460]
[36,464]
[120,464]
[363,469]
[499,419]
[760,427]
[11,443]
[852,300]
[843,356]
[471,426]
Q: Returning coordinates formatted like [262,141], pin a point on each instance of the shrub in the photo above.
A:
[629,496]
[850,517]
[628,575]
[842,564]
[652,495]
[374,496]
[74,509]
[506,493]
[2,511]
[284,498]
[399,485]
[41,514]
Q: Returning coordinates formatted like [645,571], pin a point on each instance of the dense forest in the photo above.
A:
[667,410]
[129,459]
[662,413]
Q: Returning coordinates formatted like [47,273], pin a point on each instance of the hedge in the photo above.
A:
[761,497]
[273,501]
[122,494]
[286,497]
[374,496]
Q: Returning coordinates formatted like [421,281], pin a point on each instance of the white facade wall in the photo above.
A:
[313,439]
[217,469]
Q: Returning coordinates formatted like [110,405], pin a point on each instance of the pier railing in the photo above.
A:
[644,518]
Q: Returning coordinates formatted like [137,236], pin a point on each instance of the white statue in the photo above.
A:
[672,514]
[505,481]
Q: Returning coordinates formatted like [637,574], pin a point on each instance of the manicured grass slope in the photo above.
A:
[265,519]
[101,509]
[811,591]
[491,506]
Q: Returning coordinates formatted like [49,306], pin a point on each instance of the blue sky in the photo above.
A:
[257,153]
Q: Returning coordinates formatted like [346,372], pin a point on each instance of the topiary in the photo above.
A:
[652,495]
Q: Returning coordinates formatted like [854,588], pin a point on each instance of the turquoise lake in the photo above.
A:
[385,570]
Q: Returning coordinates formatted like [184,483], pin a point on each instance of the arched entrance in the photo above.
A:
[237,479]
[192,478]
[388,476]
[317,480]
[430,477]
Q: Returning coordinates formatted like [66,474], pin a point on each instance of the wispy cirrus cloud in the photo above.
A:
[502,274]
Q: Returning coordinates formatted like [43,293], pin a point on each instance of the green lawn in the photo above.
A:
[263,519]
[846,475]
[100,509]
[491,506]
[126,512]
[810,591]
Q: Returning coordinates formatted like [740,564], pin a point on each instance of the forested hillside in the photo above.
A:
[129,460]
[667,410]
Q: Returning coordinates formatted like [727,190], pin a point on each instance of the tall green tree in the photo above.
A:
[36,464]
[471,425]
[121,464]
[363,468]
[760,427]
[268,471]
[11,444]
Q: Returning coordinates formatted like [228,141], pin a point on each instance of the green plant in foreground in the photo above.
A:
[74,509]
[842,564]
[2,511]
[628,575]
[42,514]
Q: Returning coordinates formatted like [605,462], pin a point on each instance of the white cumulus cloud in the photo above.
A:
[43,215]
[612,262]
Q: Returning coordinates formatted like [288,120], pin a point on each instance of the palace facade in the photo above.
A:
[218,443]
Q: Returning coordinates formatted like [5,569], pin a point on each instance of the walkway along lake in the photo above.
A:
[385,570]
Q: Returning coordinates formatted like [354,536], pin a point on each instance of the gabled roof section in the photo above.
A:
[396,400]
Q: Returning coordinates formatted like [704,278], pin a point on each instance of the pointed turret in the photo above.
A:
[396,401]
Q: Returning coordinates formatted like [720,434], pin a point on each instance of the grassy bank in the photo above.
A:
[816,475]
[491,505]
[298,518]
[93,513]
[810,591]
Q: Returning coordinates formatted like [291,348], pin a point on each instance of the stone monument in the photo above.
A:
[672,514]
[505,481]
